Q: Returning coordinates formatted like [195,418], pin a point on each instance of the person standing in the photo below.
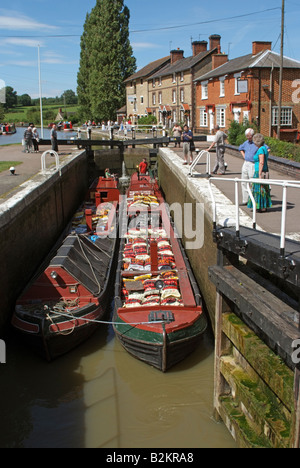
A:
[143,167]
[187,138]
[28,140]
[219,142]
[248,150]
[177,131]
[53,136]
[261,192]
[35,139]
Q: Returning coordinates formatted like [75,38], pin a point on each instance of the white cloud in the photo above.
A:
[16,22]
[22,42]
[144,45]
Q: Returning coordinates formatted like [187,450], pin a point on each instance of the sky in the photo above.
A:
[52,29]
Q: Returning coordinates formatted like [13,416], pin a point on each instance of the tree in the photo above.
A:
[11,98]
[106,60]
[69,96]
[24,100]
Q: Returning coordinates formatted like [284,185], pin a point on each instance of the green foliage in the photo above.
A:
[283,149]
[236,132]
[106,60]
[148,120]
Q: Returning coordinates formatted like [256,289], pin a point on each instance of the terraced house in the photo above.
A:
[168,92]
[248,87]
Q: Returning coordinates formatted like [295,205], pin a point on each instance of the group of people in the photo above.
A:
[31,139]
[255,166]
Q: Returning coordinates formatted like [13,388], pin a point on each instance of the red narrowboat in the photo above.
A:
[67,300]
[158,315]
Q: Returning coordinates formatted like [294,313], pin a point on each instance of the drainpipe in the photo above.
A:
[271,100]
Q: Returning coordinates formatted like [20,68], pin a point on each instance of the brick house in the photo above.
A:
[172,89]
[137,95]
[248,87]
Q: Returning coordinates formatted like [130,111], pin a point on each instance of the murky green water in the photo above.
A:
[99,396]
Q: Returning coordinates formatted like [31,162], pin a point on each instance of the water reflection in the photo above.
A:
[100,396]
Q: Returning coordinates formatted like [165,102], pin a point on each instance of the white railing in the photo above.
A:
[43,159]
[285,184]
[197,159]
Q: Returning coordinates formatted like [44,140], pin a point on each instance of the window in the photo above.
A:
[204,90]
[182,95]
[142,99]
[237,76]
[203,118]
[174,77]
[221,116]
[181,76]
[142,81]
[159,81]
[174,96]
[160,98]
[153,83]
[174,115]
[286,116]
[222,87]
[153,99]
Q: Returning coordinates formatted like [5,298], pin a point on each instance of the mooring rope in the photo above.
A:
[108,323]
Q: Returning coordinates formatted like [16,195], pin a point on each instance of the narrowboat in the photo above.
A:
[158,315]
[68,298]
[9,129]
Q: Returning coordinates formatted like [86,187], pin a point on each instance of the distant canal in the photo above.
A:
[100,396]
[17,137]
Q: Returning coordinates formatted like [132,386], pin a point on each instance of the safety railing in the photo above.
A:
[285,184]
[43,159]
[199,155]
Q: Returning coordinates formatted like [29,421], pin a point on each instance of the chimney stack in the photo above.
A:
[198,47]
[259,46]
[176,55]
[214,41]
[218,59]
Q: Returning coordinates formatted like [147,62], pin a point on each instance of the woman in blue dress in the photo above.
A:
[261,192]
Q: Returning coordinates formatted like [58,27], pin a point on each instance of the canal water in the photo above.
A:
[100,396]
[18,136]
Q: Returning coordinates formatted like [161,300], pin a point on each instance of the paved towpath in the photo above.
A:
[29,167]
[270,221]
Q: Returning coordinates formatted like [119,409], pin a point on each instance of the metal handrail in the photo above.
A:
[285,184]
[43,159]
[197,159]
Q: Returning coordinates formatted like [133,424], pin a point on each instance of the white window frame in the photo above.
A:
[153,99]
[160,97]
[174,96]
[286,116]
[174,77]
[221,116]
[174,115]
[204,90]
[153,83]
[182,95]
[236,76]
[142,99]
[159,81]
[182,76]
[222,87]
[203,118]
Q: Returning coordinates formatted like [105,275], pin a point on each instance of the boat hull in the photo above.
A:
[53,338]
[161,350]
